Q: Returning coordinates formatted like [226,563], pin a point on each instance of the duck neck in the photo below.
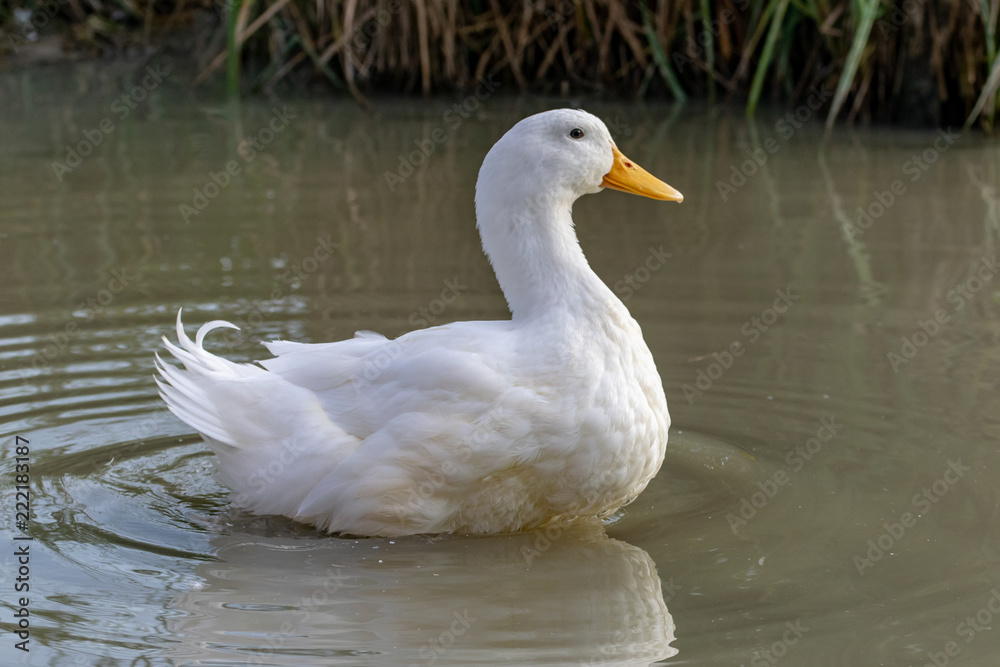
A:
[536,256]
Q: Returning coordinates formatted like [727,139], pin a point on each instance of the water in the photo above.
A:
[822,502]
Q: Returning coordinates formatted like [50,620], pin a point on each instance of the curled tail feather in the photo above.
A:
[273,439]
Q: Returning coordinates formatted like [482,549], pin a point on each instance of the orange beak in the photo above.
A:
[627,176]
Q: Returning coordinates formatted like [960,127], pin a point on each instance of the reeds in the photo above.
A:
[875,55]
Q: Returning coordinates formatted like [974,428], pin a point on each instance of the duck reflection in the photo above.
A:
[563,596]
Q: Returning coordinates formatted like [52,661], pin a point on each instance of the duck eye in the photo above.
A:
[576,133]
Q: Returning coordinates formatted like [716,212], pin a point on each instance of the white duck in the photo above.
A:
[470,427]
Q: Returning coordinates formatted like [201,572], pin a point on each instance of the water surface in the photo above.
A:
[828,496]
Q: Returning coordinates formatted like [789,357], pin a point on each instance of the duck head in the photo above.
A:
[524,197]
[567,153]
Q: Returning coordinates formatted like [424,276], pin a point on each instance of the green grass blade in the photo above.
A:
[277,62]
[233,57]
[989,89]
[869,11]
[706,26]
[991,36]
[660,58]
[325,69]
[773,34]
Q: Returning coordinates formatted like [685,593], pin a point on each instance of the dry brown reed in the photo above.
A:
[909,61]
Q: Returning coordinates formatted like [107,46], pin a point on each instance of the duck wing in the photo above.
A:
[342,434]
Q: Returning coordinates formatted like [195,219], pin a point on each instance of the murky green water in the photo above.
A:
[822,502]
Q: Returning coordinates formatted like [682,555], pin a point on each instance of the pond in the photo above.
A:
[823,311]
